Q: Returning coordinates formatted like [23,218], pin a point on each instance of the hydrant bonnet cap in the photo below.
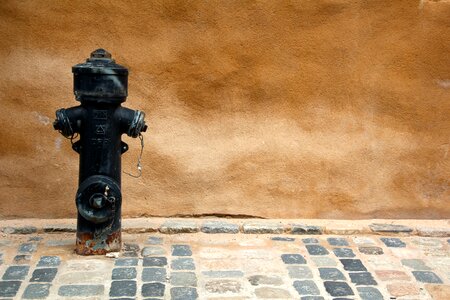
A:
[100,62]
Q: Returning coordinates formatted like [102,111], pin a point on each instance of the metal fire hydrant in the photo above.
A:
[101,86]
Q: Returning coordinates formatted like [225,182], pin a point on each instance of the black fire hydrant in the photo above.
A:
[101,86]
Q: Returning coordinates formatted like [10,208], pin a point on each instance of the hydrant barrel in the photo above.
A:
[100,85]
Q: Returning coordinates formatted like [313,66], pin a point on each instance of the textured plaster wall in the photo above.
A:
[281,109]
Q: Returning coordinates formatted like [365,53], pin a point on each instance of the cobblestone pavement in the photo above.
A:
[228,266]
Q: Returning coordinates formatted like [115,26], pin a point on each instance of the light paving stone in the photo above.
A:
[338,288]
[371,250]
[390,275]
[343,252]
[426,277]
[334,241]
[37,291]
[272,293]
[9,288]
[324,261]
[59,243]
[299,272]
[183,263]
[154,274]
[426,243]
[312,298]
[306,287]
[183,293]
[154,240]
[49,261]
[181,250]
[393,242]
[363,241]
[353,264]
[369,293]
[415,264]
[223,286]
[92,277]
[219,227]
[183,279]
[403,289]
[123,288]
[305,229]
[154,261]
[16,273]
[123,273]
[19,230]
[262,228]
[80,290]
[331,274]
[389,228]
[130,247]
[316,250]
[223,274]
[433,232]
[35,239]
[154,289]
[179,226]
[126,262]
[362,278]
[153,250]
[87,265]
[265,280]
[44,275]
[438,291]
[293,259]
[22,259]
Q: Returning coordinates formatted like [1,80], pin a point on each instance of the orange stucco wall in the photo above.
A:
[282,109]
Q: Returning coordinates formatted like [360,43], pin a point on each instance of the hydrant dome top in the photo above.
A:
[100,62]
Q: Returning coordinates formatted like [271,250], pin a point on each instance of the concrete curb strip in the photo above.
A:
[428,228]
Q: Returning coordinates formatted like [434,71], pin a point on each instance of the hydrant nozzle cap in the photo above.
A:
[101,53]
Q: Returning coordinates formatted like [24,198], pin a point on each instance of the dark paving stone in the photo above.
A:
[129,247]
[305,229]
[154,240]
[183,263]
[393,242]
[122,288]
[371,250]
[130,254]
[49,261]
[362,278]
[126,262]
[343,252]
[125,298]
[9,288]
[154,289]
[181,250]
[22,259]
[16,273]
[155,261]
[183,279]
[306,287]
[338,288]
[80,290]
[35,239]
[316,250]
[426,276]
[27,248]
[337,241]
[44,275]
[19,230]
[123,273]
[331,274]
[369,293]
[154,274]
[183,293]
[219,227]
[36,291]
[293,259]
[310,241]
[312,298]
[352,264]
[282,239]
